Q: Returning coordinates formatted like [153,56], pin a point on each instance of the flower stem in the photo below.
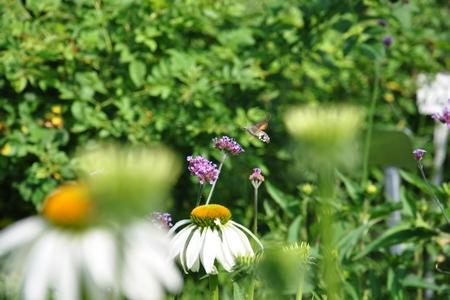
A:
[214,184]
[433,195]
[370,123]
[300,289]
[214,287]
[255,212]
[200,193]
[251,289]
[330,268]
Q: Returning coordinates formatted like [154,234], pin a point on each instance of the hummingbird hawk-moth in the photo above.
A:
[257,130]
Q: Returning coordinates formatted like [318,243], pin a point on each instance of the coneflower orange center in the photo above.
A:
[68,205]
[206,215]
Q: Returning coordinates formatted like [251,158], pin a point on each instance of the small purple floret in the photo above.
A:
[387,40]
[161,220]
[228,144]
[256,175]
[443,117]
[419,154]
[205,170]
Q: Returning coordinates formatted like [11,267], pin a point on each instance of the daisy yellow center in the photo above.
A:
[68,205]
[206,215]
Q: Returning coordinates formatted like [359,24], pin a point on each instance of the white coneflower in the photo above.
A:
[210,235]
[62,255]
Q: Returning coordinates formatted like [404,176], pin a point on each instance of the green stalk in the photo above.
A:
[214,287]
[330,271]
[214,184]
[200,193]
[300,289]
[251,289]
[371,114]
[433,195]
[255,212]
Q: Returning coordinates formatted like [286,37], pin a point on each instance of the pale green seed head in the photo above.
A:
[326,136]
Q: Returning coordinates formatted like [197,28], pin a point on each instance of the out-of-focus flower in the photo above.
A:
[326,135]
[228,144]
[210,235]
[203,169]
[256,178]
[64,254]
[394,86]
[382,22]
[161,220]
[56,109]
[389,97]
[419,154]
[128,182]
[371,189]
[443,117]
[388,40]
[57,121]
[306,188]
[6,150]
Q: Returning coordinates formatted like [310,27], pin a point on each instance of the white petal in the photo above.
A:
[137,282]
[243,240]
[249,233]
[154,261]
[66,278]
[178,242]
[178,224]
[20,233]
[224,257]
[210,250]
[40,265]
[194,247]
[233,241]
[99,253]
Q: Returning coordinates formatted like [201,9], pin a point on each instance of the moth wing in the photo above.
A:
[262,125]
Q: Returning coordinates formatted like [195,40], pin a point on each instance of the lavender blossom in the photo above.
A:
[419,154]
[161,220]
[387,40]
[226,143]
[256,175]
[443,117]
[205,170]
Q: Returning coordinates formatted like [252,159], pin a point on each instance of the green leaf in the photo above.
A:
[412,280]
[282,199]
[399,234]
[294,229]
[137,72]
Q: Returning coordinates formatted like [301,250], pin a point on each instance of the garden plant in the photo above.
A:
[224,149]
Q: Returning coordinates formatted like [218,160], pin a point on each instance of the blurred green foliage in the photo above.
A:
[182,72]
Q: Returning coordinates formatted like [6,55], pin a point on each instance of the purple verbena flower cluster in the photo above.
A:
[443,117]
[256,175]
[205,170]
[419,154]
[228,144]
[161,220]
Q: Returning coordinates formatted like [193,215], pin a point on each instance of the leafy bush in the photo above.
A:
[182,72]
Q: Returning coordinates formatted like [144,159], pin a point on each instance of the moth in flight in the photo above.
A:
[257,130]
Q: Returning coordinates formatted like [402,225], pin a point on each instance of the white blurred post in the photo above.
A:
[440,151]
[392,193]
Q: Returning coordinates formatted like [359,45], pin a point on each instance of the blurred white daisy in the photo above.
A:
[63,255]
[210,235]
